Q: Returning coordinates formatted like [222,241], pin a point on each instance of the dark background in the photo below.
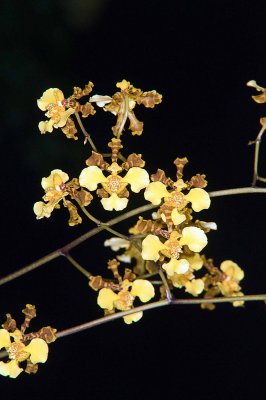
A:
[199,55]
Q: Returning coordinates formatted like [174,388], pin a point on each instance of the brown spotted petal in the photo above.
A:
[70,129]
[48,334]
[133,160]
[75,218]
[160,176]
[30,313]
[78,92]
[10,324]
[149,99]
[97,159]
[84,197]
[198,181]
[135,126]
[30,367]
[180,164]
[86,109]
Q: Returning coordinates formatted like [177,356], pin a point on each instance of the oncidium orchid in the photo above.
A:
[52,102]
[24,351]
[123,300]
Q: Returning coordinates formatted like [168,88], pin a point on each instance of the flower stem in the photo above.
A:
[77,265]
[85,133]
[161,303]
[66,248]
[230,192]
[256,155]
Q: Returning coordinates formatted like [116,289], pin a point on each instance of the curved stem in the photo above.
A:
[100,223]
[85,133]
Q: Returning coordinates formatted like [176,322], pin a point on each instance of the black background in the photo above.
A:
[199,55]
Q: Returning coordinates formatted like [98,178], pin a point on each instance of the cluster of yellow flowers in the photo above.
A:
[24,351]
[171,241]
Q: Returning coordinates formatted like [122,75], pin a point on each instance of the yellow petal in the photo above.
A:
[194,287]
[133,317]
[143,289]
[10,369]
[38,350]
[114,203]
[138,178]
[91,176]
[199,198]
[231,269]
[56,177]
[151,246]
[106,298]
[50,96]
[46,126]
[195,262]
[42,209]
[155,192]
[177,217]
[64,117]
[176,266]
[194,238]
[4,338]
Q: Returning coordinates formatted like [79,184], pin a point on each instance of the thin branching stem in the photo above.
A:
[57,253]
[256,157]
[160,303]
[85,133]
[77,265]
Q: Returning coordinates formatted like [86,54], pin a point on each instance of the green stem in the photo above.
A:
[77,265]
[85,133]
[166,286]
[104,225]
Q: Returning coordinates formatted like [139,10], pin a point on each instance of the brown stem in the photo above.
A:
[161,303]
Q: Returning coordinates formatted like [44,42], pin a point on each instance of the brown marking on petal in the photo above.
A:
[129,275]
[115,146]
[135,126]
[180,164]
[10,324]
[70,129]
[113,266]
[96,159]
[30,367]
[75,218]
[133,160]
[149,99]
[160,176]
[78,92]
[145,226]
[47,333]
[30,313]
[102,193]
[85,109]
[198,181]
